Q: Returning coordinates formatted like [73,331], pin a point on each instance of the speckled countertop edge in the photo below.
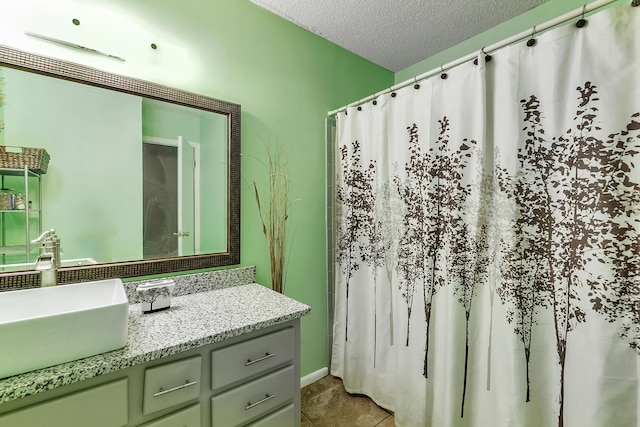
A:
[192,321]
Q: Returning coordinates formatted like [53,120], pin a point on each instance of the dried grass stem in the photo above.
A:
[275,213]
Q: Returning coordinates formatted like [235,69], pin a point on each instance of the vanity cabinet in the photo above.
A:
[20,215]
[251,379]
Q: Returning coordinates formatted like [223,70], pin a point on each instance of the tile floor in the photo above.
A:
[325,403]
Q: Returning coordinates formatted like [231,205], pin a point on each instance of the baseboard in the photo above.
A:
[313,377]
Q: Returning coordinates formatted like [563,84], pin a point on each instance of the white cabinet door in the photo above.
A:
[100,406]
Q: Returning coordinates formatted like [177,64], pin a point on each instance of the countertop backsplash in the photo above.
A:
[200,282]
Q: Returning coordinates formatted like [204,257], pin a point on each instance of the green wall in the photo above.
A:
[285,78]
[524,22]
[1,107]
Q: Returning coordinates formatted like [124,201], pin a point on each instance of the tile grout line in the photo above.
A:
[380,423]
[308,419]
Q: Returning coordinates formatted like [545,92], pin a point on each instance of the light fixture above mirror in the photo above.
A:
[151,92]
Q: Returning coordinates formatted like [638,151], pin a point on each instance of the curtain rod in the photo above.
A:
[492,48]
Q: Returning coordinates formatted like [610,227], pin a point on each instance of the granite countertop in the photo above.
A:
[192,321]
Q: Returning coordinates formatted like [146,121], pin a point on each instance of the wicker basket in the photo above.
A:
[35,159]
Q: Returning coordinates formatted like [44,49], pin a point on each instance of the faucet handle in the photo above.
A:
[44,235]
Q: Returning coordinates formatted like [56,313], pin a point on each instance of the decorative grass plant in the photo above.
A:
[274,209]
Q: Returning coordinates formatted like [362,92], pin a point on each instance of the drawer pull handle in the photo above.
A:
[265,357]
[176,388]
[252,405]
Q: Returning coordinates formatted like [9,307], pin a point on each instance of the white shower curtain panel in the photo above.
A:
[488,237]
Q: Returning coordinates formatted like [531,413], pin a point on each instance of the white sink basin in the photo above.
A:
[43,327]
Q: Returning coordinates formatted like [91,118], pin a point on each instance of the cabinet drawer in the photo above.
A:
[284,417]
[253,399]
[240,361]
[100,406]
[189,417]
[171,384]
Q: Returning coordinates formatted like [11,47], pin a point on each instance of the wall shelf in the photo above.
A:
[19,226]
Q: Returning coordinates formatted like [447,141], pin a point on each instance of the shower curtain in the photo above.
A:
[488,237]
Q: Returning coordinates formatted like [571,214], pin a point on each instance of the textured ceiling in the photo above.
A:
[397,33]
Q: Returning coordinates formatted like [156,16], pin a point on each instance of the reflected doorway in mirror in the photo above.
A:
[171,197]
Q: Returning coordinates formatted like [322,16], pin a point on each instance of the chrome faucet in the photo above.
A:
[49,260]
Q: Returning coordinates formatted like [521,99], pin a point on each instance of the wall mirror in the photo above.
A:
[143,178]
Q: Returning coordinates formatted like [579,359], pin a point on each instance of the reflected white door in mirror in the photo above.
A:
[171,197]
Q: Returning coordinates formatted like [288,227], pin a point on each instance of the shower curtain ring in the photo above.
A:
[415,83]
[582,22]
[444,75]
[487,57]
[532,41]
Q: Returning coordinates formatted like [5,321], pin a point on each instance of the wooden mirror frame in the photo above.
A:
[13,58]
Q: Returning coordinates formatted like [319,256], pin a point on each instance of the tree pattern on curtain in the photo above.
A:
[432,194]
[358,228]
[374,252]
[577,204]
[575,200]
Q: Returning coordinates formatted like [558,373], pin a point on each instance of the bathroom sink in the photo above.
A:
[43,327]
